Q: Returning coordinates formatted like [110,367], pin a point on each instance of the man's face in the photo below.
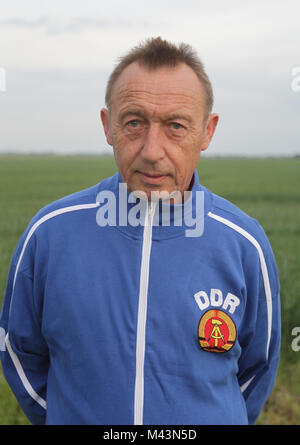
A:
[157,127]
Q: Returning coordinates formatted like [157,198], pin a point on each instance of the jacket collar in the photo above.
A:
[168,221]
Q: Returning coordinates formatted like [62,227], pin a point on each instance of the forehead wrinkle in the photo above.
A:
[161,86]
[154,111]
[152,95]
[153,103]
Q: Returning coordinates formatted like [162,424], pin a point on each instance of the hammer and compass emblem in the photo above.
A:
[216,331]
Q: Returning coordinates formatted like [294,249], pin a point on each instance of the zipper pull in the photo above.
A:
[150,213]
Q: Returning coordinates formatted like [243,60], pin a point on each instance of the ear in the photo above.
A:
[105,118]
[210,127]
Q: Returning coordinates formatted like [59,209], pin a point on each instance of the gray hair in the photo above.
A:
[156,53]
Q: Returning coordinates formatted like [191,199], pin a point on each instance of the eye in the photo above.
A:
[133,123]
[176,126]
[176,129]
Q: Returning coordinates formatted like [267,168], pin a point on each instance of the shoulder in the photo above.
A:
[246,231]
[75,201]
[80,200]
[54,214]
[229,218]
[52,217]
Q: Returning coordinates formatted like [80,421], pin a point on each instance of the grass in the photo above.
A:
[267,189]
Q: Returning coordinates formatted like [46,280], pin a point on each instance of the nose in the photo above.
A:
[153,144]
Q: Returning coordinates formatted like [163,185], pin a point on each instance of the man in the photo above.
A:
[112,315]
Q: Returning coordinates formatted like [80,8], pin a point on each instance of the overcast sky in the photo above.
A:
[56,56]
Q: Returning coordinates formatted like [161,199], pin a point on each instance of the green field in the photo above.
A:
[267,189]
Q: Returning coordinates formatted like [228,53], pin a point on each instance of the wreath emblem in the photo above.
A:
[216,331]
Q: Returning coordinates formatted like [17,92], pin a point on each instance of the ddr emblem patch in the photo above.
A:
[216,331]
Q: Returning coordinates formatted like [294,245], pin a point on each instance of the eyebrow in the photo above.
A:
[134,112]
[177,116]
[139,113]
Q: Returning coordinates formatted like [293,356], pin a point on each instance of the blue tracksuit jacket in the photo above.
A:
[140,323]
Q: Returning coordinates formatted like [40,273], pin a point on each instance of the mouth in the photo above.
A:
[152,178]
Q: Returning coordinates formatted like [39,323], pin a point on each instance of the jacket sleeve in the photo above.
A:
[24,352]
[261,335]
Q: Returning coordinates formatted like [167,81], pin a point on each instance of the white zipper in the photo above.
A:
[142,316]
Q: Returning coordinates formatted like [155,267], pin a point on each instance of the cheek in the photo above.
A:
[184,158]
[183,154]
[122,140]
[125,152]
